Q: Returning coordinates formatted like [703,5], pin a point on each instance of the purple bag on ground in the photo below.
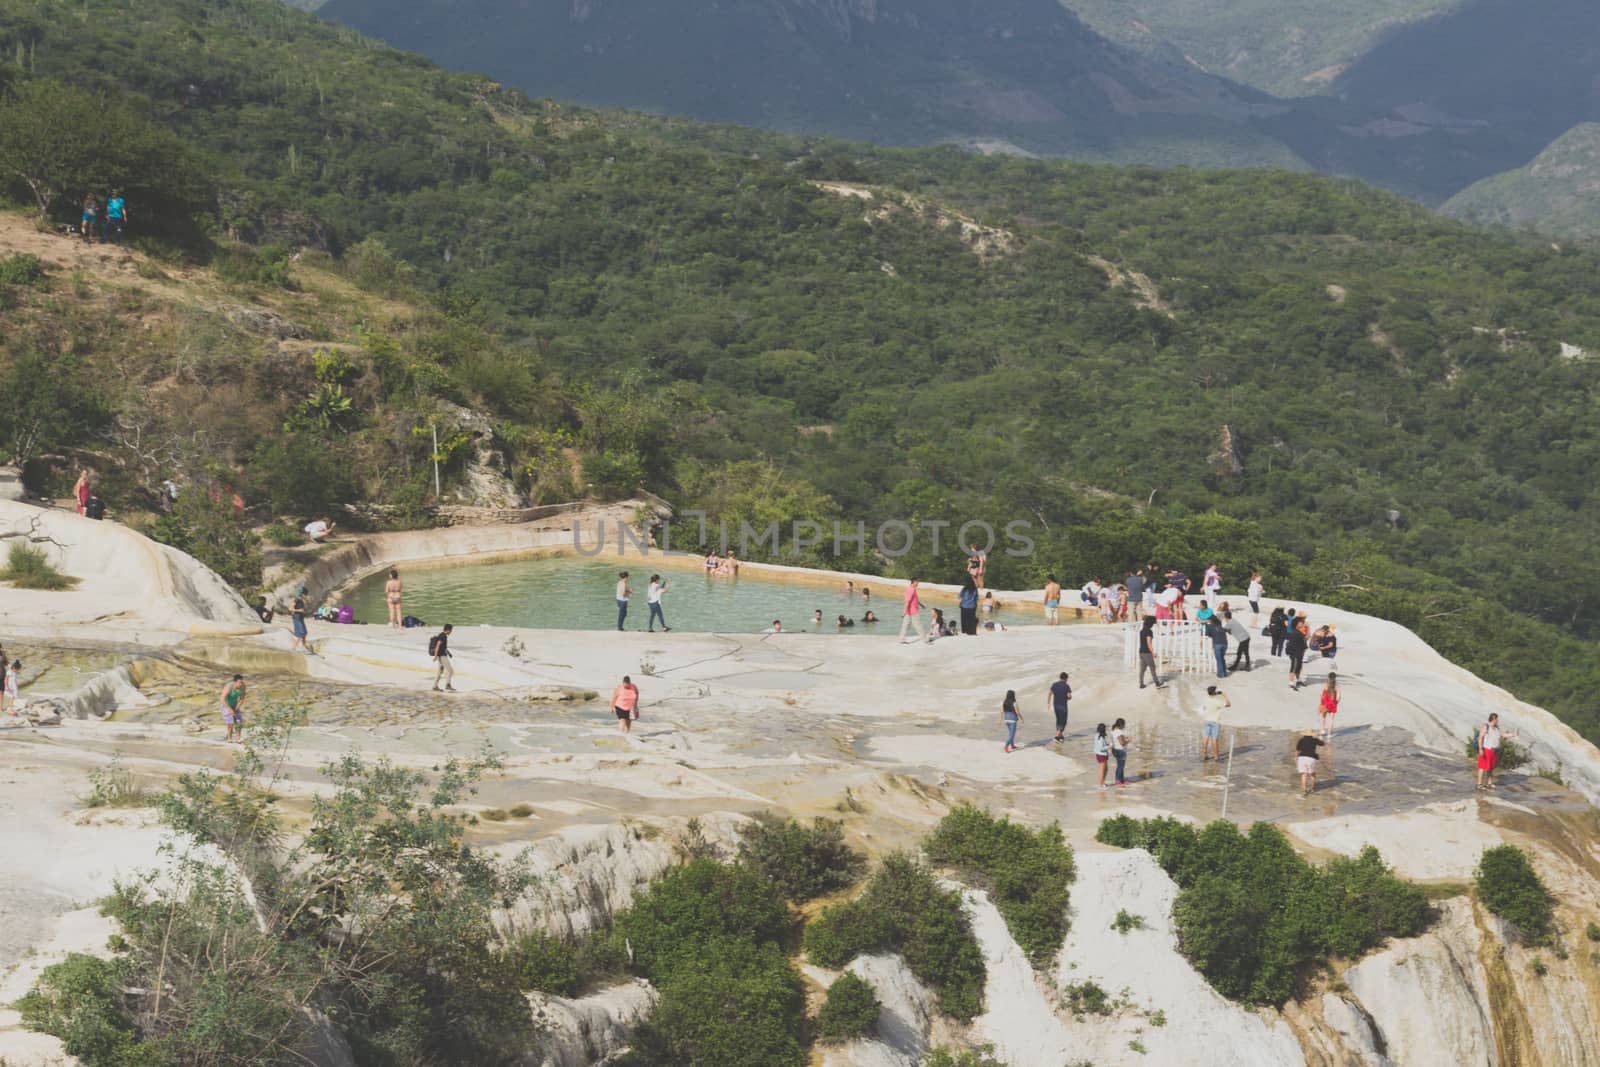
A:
[347,613]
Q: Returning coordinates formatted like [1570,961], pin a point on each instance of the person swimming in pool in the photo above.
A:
[869,616]
[845,622]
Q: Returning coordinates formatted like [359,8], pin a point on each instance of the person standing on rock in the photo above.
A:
[1489,741]
[1211,583]
[912,615]
[624,594]
[1237,631]
[233,709]
[1058,698]
[13,683]
[394,593]
[1219,643]
[969,606]
[1294,643]
[1278,630]
[297,622]
[1147,652]
[1329,703]
[653,596]
[439,649]
[1305,758]
[625,704]
[1119,749]
[1010,718]
[1102,751]
[116,218]
[1211,732]
[1253,594]
[80,492]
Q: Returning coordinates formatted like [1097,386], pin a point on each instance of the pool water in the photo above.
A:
[575,594]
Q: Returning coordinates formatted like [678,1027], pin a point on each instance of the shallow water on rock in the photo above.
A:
[574,594]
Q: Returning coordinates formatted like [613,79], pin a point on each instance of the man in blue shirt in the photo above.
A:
[1060,694]
[116,216]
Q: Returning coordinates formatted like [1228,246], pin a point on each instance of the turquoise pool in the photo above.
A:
[564,593]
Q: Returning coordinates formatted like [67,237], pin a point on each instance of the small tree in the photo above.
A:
[45,138]
[1510,887]
[851,1010]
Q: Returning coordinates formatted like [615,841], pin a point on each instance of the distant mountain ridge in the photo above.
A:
[1024,72]
[1559,192]
[1421,96]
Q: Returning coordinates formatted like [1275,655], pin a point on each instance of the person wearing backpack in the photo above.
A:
[439,649]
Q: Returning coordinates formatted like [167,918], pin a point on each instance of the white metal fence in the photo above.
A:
[1180,646]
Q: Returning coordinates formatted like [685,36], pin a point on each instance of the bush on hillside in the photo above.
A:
[29,568]
[804,862]
[215,533]
[1027,873]
[22,269]
[427,982]
[1255,918]
[710,936]
[851,1010]
[904,910]
[1510,888]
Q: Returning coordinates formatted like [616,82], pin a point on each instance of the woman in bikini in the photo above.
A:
[392,592]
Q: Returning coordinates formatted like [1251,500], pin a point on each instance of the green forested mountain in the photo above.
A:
[1558,193]
[777,327]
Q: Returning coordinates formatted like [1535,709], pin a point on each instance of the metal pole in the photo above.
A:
[1227,775]
[435,430]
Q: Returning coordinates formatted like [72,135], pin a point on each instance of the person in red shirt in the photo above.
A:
[912,615]
[625,703]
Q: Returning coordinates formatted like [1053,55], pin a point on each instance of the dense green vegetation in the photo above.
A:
[710,937]
[850,1011]
[1254,917]
[802,862]
[1028,873]
[1510,887]
[682,305]
[903,910]
[380,918]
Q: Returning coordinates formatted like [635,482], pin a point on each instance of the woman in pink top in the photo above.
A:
[80,490]
[625,702]
[912,616]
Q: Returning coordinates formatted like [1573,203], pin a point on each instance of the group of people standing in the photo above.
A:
[106,223]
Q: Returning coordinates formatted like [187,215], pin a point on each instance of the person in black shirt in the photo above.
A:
[1147,653]
[439,650]
[1305,751]
[297,613]
[261,608]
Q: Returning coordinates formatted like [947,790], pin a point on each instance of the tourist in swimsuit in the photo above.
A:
[232,709]
[977,563]
[1011,718]
[1052,601]
[625,703]
[392,593]
[80,492]
[845,622]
